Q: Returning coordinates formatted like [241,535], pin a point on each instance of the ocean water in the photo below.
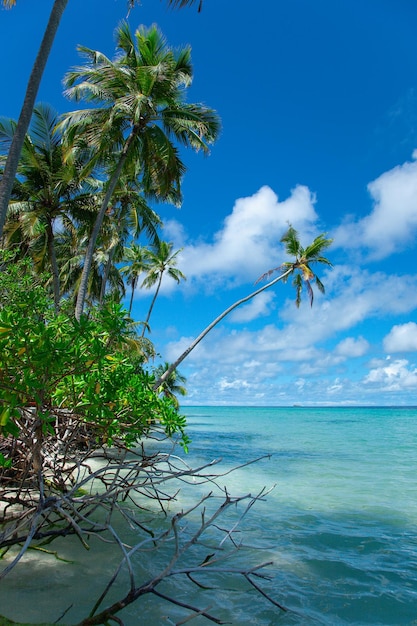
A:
[340,524]
[342,518]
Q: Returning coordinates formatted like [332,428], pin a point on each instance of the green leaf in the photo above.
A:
[4,416]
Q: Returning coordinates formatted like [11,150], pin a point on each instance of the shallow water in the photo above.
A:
[340,524]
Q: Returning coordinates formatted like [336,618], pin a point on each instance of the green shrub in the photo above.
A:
[94,368]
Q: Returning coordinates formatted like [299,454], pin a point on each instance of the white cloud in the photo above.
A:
[234,384]
[392,224]
[394,219]
[293,352]
[248,243]
[258,307]
[335,387]
[353,297]
[394,376]
[267,360]
[402,338]
[174,231]
[351,347]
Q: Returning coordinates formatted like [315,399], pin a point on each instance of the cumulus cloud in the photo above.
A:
[174,231]
[294,352]
[234,384]
[247,244]
[260,306]
[402,338]
[394,376]
[392,223]
[351,347]
[353,295]
[271,357]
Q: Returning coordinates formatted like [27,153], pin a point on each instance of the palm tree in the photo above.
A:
[58,8]
[71,247]
[127,219]
[138,257]
[304,258]
[161,260]
[139,106]
[7,181]
[300,268]
[172,385]
[47,189]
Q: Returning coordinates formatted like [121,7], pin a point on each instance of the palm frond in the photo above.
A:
[319,244]
[185,3]
[298,284]
[319,284]
[292,243]
[42,128]
[281,268]
[7,130]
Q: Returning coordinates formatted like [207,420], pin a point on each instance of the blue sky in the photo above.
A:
[318,101]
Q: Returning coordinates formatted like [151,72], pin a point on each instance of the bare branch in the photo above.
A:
[184,605]
[78,493]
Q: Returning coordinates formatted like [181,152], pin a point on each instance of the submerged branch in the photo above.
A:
[81,491]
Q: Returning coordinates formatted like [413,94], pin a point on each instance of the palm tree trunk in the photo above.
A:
[134,283]
[54,265]
[214,323]
[152,303]
[106,275]
[10,169]
[114,179]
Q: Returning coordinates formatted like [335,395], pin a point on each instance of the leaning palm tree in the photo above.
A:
[139,108]
[161,261]
[300,268]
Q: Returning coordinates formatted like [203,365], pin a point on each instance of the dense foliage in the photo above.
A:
[93,368]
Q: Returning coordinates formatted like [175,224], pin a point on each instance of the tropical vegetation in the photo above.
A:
[85,412]
[139,105]
[9,173]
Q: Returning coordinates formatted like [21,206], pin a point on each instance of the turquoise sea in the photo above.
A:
[342,519]
[340,524]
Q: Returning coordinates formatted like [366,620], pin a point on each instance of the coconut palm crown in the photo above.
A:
[162,260]
[300,266]
[173,385]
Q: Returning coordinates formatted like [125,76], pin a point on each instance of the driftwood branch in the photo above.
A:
[78,490]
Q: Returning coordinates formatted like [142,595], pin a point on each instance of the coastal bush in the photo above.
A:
[92,370]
